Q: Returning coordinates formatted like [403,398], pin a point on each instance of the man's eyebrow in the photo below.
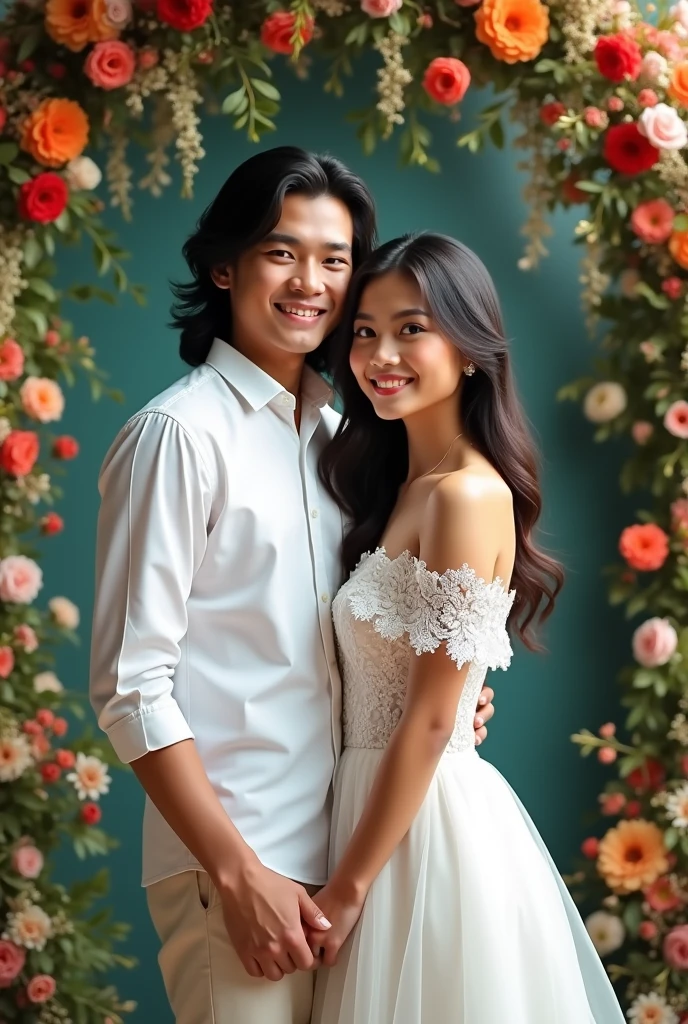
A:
[292,240]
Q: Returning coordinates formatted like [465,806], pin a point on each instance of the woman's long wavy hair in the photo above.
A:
[366,462]
[245,210]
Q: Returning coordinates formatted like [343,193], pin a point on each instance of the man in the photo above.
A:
[214,670]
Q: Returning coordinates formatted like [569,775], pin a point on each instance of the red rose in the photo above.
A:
[50,772]
[65,758]
[51,524]
[618,57]
[91,814]
[65,447]
[3,118]
[43,198]
[590,847]
[11,360]
[184,15]
[446,80]
[627,151]
[277,32]
[551,112]
[19,451]
[649,776]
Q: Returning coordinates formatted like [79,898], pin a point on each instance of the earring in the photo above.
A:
[469,369]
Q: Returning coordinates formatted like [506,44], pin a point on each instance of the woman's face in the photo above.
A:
[399,357]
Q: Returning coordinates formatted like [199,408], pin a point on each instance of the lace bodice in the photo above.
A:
[390,608]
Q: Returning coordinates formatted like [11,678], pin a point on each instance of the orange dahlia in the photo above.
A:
[76,23]
[56,132]
[632,855]
[514,30]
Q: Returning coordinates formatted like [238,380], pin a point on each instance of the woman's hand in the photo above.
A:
[342,909]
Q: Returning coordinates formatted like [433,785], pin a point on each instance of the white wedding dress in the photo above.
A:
[469,922]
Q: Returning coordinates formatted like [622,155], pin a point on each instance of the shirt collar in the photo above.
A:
[255,385]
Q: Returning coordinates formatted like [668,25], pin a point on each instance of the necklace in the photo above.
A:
[429,471]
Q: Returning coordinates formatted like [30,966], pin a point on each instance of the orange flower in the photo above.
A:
[513,29]
[75,23]
[645,547]
[678,247]
[678,87]
[56,132]
[632,855]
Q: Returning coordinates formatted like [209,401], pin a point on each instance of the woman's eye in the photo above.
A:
[364,332]
[412,329]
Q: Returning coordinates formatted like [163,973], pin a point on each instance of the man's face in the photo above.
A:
[287,292]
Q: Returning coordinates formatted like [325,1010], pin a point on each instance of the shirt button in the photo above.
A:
[314,513]
[324,598]
[286,399]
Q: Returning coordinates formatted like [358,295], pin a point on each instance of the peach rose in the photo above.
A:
[446,80]
[20,579]
[27,861]
[675,948]
[654,642]
[380,8]
[42,399]
[676,419]
[6,661]
[75,25]
[110,65]
[678,247]
[56,132]
[678,87]
[11,360]
[26,637]
[64,612]
[662,127]
[12,960]
[653,221]
[41,988]
[514,30]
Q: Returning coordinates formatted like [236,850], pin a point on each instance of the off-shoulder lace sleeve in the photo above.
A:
[402,596]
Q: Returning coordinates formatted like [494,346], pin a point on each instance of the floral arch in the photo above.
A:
[599,96]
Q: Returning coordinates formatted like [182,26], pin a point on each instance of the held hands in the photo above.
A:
[265,916]
[484,713]
[343,910]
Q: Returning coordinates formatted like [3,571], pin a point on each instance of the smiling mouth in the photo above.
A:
[301,313]
[390,385]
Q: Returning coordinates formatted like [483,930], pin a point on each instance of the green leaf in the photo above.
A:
[236,100]
[29,43]
[8,151]
[17,175]
[266,89]
[590,186]
[32,252]
[497,134]
[655,300]
[681,222]
[41,287]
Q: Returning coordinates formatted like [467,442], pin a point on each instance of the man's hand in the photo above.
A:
[343,911]
[265,915]
[484,714]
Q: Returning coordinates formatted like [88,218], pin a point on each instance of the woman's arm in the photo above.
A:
[464,522]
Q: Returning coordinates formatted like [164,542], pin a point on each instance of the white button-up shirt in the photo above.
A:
[218,556]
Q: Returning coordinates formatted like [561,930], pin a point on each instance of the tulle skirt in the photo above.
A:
[469,922]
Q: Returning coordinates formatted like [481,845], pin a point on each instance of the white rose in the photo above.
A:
[604,402]
[680,13]
[83,174]
[64,612]
[654,66]
[663,127]
[606,931]
[47,682]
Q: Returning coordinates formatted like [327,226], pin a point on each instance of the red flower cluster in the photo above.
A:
[43,198]
[52,523]
[277,32]
[551,112]
[65,447]
[184,15]
[446,80]
[618,57]
[627,151]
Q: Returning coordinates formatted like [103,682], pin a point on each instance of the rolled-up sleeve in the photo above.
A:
[152,533]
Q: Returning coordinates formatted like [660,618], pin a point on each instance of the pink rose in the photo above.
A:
[6,661]
[118,12]
[653,221]
[27,861]
[662,127]
[11,360]
[642,431]
[380,8]
[615,104]
[654,66]
[12,960]
[41,988]
[26,638]
[595,118]
[676,419]
[648,98]
[110,64]
[20,579]
[675,947]
[42,399]
[654,642]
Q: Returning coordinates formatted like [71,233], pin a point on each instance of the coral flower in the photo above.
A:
[653,221]
[76,23]
[678,87]
[678,247]
[662,896]
[56,132]
[632,855]
[645,547]
[514,30]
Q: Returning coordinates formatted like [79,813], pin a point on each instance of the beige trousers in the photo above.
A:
[205,981]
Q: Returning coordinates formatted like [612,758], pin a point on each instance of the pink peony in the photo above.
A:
[12,960]
[27,861]
[6,661]
[20,579]
[675,948]
[26,637]
[41,988]
[42,399]
[676,419]
[11,360]
[110,64]
[642,431]
[653,221]
[380,8]
[654,642]
[662,127]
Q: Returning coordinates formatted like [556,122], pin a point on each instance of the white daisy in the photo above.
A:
[15,757]
[651,1009]
[606,931]
[30,927]
[90,777]
[677,806]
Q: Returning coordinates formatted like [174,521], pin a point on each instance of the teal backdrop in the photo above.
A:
[544,698]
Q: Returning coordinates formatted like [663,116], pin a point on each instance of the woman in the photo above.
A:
[445,903]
